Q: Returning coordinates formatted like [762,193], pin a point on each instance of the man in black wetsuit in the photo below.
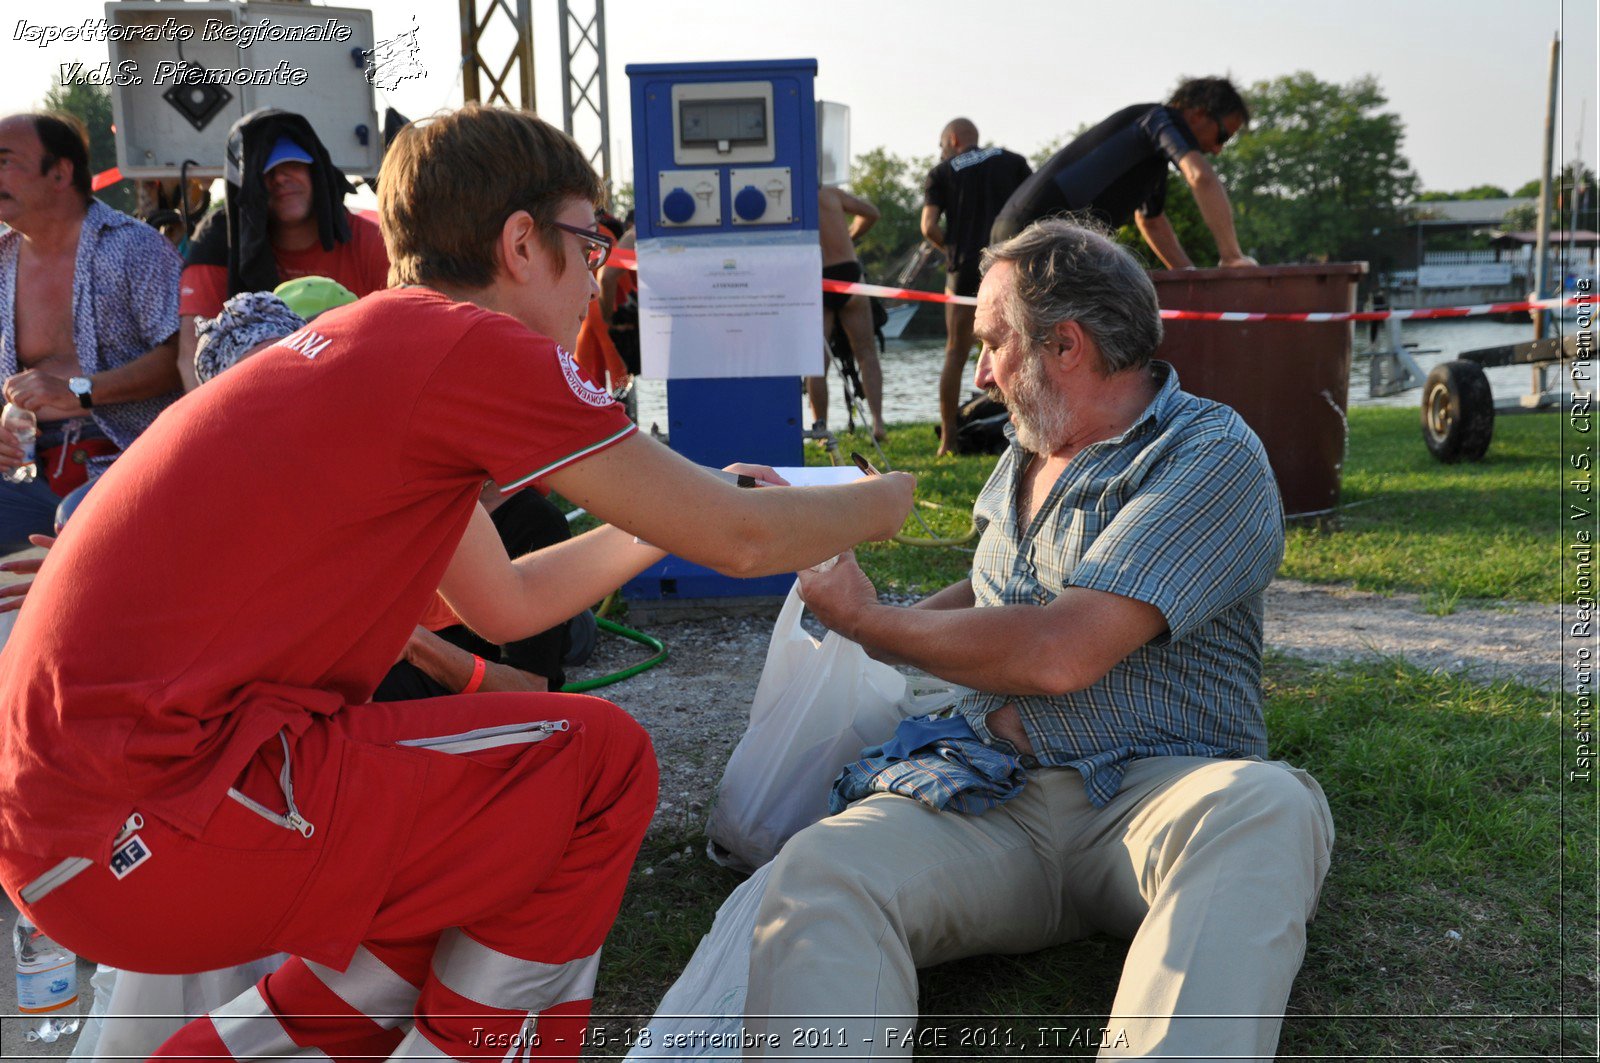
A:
[968,188]
[1117,171]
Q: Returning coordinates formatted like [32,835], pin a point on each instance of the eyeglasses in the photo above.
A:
[1223,134]
[598,247]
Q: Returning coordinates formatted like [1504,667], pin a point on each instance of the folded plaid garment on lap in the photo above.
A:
[936,760]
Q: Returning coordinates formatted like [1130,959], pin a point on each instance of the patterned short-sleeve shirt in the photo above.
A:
[124,302]
[1181,512]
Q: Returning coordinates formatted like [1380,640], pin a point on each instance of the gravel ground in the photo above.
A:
[696,703]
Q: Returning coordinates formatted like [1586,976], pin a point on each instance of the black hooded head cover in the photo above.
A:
[237,237]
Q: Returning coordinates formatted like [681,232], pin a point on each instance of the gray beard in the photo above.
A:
[1042,419]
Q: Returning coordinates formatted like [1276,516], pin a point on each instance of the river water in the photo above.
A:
[911,370]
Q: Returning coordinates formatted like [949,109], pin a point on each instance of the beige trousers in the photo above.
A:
[1211,867]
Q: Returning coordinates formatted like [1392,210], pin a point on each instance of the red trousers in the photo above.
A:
[466,857]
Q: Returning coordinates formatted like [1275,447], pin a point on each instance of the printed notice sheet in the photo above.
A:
[732,311]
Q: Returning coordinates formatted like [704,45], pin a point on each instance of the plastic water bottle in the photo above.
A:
[47,983]
[25,426]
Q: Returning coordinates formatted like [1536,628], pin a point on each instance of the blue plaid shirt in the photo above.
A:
[1180,511]
[124,302]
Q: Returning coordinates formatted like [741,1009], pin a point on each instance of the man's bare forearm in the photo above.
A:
[963,645]
[1163,240]
[187,342]
[451,667]
[1212,199]
[152,374]
[956,596]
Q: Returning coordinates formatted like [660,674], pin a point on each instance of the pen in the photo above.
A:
[863,464]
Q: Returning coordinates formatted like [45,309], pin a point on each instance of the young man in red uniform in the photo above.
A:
[208,784]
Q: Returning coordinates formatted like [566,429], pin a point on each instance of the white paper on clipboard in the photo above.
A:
[819,475]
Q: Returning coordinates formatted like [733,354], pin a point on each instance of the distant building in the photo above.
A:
[1451,259]
[1572,252]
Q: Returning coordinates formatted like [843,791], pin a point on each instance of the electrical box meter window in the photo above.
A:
[722,122]
[716,123]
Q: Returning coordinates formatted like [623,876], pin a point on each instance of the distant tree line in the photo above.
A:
[92,105]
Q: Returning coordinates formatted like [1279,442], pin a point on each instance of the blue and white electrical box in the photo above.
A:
[730,301]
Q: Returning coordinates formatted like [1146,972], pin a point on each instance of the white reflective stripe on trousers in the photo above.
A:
[477,972]
[370,987]
[250,1030]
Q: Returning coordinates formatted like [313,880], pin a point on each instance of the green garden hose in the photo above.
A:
[632,670]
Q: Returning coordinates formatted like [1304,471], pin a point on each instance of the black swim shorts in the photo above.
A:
[839,271]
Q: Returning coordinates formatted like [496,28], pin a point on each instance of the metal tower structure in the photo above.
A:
[584,103]
[519,62]
[585,97]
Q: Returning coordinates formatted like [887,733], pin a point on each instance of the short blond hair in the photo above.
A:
[449,183]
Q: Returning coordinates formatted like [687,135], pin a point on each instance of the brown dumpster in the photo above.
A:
[1288,380]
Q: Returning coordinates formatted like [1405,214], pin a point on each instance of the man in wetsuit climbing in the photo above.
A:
[1117,171]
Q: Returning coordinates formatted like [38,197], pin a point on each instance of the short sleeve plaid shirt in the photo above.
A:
[1181,512]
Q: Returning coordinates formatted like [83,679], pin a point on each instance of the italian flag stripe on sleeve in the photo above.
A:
[576,455]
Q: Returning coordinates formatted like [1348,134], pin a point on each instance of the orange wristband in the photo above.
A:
[479,666]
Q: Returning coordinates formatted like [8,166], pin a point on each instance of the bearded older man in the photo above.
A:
[1109,773]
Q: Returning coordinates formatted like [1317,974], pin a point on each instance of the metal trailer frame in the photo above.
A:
[1458,407]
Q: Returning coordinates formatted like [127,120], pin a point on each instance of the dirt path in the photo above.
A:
[1511,640]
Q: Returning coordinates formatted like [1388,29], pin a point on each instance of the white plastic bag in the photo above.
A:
[100,984]
[702,1015]
[818,705]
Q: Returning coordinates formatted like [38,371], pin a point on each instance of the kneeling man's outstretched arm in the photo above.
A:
[504,600]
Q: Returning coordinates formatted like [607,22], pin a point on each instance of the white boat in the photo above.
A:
[900,315]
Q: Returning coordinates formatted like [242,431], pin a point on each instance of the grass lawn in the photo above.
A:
[1458,918]
[1487,530]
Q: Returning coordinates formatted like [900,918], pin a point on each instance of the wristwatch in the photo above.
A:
[83,387]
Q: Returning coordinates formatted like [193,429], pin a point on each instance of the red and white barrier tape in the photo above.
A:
[1374,315]
[624,257]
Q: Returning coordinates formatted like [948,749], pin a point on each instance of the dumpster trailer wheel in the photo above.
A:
[1457,412]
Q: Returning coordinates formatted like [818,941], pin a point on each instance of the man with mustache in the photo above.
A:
[1109,772]
[88,319]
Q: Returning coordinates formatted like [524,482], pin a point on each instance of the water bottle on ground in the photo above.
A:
[47,983]
[25,426]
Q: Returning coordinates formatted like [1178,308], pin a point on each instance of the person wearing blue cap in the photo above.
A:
[284,218]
